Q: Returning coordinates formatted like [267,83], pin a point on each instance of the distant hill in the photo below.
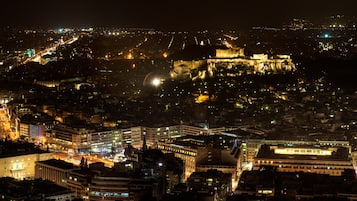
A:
[193,52]
[343,73]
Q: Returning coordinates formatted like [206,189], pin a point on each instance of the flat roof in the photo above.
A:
[11,149]
[265,152]
[59,164]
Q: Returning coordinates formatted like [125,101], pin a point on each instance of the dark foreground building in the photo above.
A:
[269,184]
[28,190]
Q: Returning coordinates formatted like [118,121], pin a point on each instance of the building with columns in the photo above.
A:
[54,170]
[18,160]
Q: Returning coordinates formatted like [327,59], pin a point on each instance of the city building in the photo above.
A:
[54,170]
[119,187]
[84,140]
[33,127]
[135,135]
[204,152]
[98,182]
[269,184]
[329,160]
[251,146]
[33,190]
[79,181]
[17,159]
[150,175]
[256,183]
[212,182]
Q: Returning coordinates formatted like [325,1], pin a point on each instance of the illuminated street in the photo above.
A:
[38,55]
[76,159]
[5,125]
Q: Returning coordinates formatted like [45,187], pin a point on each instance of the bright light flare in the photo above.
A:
[156,82]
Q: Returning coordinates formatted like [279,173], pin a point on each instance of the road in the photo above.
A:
[76,159]
[5,124]
[38,55]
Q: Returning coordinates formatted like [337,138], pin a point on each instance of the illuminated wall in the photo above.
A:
[305,159]
[304,151]
[118,188]
[189,155]
[229,53]
[84,140]
[56,174]
[252,145]
[24,129]
[259,63]
[50,84]
[21,167]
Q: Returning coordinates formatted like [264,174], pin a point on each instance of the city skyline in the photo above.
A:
[170,101]
[158,14]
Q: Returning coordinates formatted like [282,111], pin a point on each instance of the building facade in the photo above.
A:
[310,159]
[54,170]
[21,166]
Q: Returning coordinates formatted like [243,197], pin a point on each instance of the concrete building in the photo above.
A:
[212,182]
[18,160]
[267,183]
[33,127]
[203,152]
[33,190]
[54,170]
[79,181]
[329,160]
[97,182]
[135,135]
[251,147]
[86,139]
[119,187]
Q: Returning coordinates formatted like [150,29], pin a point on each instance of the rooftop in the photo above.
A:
[59,164]
[11,188]
[10,149]
[296,153]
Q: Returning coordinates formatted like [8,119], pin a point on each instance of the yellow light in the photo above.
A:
[202,98]
[156,82]
[130,56]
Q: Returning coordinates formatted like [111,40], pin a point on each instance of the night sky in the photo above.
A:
[166,14]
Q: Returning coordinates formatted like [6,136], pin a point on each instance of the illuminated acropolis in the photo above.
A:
[229,58]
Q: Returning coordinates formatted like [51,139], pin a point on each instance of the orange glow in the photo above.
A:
[202,98]
[130,56]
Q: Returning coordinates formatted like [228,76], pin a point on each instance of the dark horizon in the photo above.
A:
[159,14]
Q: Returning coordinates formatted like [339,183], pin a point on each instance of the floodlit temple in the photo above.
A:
[228,59]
